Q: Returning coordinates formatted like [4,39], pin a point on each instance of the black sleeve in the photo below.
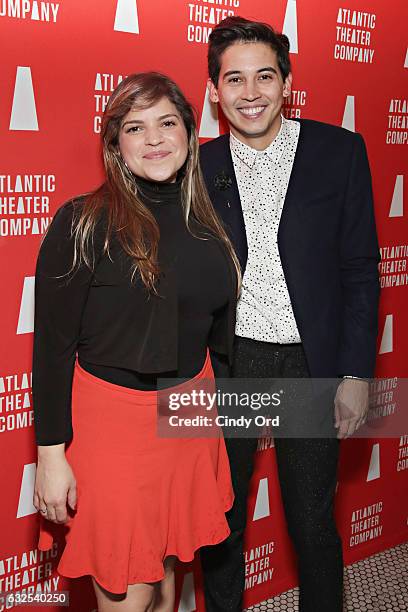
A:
[59,303]
[359,270]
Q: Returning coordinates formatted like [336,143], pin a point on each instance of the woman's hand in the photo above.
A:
[55,484]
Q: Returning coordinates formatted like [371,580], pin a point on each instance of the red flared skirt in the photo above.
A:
[140,497]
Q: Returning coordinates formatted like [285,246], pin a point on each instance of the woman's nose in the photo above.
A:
[153,136]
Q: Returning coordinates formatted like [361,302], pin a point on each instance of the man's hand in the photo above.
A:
[350,406]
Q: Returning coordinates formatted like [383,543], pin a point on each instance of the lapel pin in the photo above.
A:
[222,181]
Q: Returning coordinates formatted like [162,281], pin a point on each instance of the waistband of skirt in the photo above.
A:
[145,396]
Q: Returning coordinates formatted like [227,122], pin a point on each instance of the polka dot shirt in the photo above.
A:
[264,309]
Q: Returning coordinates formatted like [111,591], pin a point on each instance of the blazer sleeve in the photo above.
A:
[59,302]
[359,257]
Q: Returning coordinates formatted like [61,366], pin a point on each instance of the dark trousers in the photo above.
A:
[307,470]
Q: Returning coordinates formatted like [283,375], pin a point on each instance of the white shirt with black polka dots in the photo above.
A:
[264,309]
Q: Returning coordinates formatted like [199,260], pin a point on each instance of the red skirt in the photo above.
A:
[140,497]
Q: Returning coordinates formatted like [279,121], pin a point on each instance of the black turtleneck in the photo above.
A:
[118,331]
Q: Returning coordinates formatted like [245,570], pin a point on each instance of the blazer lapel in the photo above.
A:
[295,188]
[291,234]
[224,194]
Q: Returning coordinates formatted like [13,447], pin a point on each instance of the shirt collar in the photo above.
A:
[274,151]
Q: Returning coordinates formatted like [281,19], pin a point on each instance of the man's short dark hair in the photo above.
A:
[234,30]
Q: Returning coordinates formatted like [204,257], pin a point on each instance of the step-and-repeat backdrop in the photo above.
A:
[59,63]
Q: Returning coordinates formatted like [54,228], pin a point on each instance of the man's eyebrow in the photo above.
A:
[140,122]
[230,72]
[268,69]
[265,69]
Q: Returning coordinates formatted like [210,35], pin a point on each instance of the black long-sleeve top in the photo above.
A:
[117,329]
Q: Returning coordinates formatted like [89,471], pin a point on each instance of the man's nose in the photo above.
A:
[251,91]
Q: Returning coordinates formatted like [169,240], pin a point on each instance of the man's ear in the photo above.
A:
[287,86]
[213,91]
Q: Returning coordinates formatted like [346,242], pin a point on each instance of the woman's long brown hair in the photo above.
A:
[127,217]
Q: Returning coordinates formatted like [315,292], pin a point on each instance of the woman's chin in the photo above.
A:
[161,176]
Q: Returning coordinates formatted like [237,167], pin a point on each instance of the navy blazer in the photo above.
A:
[327,243]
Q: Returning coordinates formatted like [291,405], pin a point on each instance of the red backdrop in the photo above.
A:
[60,61]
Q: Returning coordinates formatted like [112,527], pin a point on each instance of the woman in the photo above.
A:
[134,282]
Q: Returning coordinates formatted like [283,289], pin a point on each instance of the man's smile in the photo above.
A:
[252,112]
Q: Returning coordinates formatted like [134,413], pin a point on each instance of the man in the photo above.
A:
[296,199]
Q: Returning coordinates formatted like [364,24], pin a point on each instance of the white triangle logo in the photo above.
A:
[262,501]
[387,340]
[98,82]
[19,185]
[290,26]
[24,382]
[26,318]
[349,121]
[374,469]
[187,598]
[35,15]
[209,126]
[25,503]
[20,206]
[23,112]
[34,228]
[126,18]
[397,202]
[406,60]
